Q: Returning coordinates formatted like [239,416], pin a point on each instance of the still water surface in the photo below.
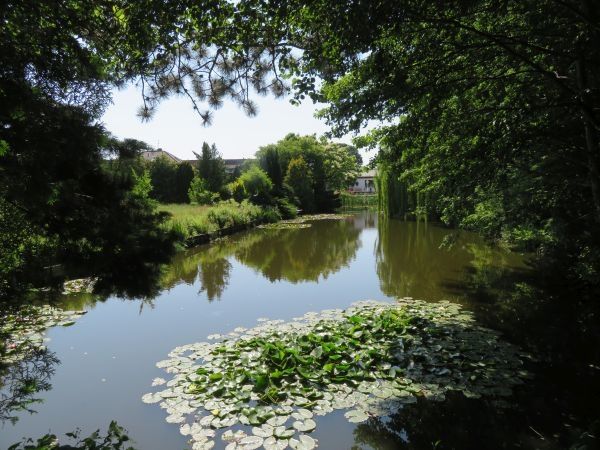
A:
[107,359]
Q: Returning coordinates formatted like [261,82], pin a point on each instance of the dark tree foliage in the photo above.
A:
[183,178]
[162,172]
[211,167]
[52,174]
[66,213]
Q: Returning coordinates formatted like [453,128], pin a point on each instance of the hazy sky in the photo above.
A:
[176,128]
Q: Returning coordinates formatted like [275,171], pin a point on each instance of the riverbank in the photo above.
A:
[195,224]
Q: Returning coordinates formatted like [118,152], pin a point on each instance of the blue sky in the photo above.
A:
[176,128]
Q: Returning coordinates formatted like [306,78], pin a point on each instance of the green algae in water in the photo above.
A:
[264,386]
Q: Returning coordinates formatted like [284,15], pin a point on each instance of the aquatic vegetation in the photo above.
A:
[23,330]
[302,221]
[265,386]
[283,225]
[83,285]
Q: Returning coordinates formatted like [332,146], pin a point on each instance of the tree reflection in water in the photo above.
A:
[22,380]
[455,423]
[293,255]
[412,260]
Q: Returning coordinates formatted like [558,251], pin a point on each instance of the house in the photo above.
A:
[151,155]
[230,164]
[365,183]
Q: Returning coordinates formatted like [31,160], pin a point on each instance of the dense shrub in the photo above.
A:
[198,193]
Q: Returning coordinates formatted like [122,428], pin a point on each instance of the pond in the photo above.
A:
[100,367]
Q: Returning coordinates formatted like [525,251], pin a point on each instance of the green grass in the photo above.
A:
[183,211]
[190,220]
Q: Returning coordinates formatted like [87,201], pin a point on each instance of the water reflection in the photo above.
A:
[455,423]
[292,255]
[22,380]
[414,259]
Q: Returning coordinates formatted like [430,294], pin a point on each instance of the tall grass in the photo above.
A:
[190,220]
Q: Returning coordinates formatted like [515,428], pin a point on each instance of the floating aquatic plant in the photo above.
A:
[284,225]
[79,285]
[23,329]
[266,385]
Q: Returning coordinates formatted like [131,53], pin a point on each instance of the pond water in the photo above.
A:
[106,360]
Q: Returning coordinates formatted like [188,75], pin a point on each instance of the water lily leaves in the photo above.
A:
[283,432]
[230,436]
[284,411]
[303,442]
[158,381]
[263,431]
[277,421]
[185,429]
[166,363]
[383,393]
[356,416]
[202,434]
[272,443]
[203,445]
[246,443]
[355,359]
[175,418]
[151,398]
[305,425]
[302,413]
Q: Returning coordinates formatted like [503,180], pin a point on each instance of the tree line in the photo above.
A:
[491,110]
[298,172]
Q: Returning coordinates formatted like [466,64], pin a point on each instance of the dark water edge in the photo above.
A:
[107,358]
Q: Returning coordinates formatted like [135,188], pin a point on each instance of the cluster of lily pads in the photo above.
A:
[302,221]
[23,330]
[79,285]
[264,386]
[284,225]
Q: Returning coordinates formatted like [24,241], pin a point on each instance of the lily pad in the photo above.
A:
[264,431]
[356,416]
[283,432]
[272,443]
[305,425]
[384,355]
[303,442]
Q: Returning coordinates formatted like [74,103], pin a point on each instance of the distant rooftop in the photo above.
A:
[151,155]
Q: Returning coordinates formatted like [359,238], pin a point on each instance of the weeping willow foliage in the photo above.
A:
[395,199]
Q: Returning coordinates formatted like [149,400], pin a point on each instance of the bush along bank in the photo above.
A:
[221,219]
